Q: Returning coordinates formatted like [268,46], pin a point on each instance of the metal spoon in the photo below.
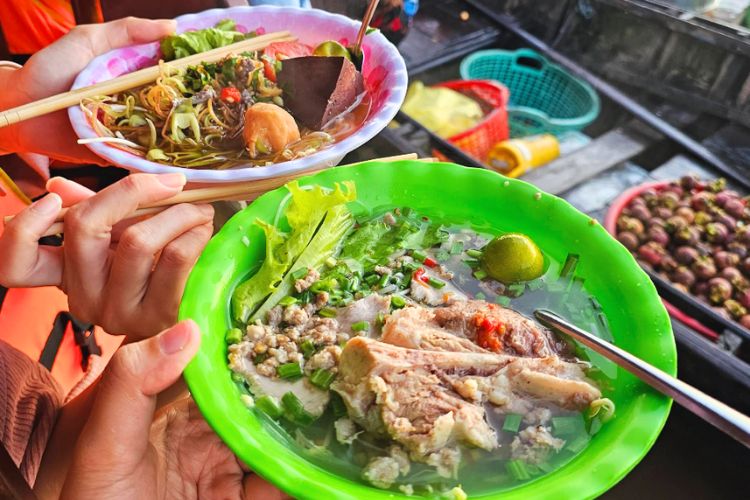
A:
[709,409]
[365,24]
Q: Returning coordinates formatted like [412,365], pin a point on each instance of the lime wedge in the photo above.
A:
[512,257]
[332,48]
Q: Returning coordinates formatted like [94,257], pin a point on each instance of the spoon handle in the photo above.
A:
[711,410]
[365,24]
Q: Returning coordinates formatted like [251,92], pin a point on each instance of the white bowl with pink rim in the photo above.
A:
[383,70]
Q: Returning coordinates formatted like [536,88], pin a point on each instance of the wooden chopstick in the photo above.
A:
[132,80]
[240,191]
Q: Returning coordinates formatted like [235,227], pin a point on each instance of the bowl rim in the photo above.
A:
[303,479]
[328,156]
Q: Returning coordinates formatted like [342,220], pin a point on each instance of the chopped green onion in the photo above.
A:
[517,469]
[418,255]
[354,284]
[442,256]
[383,281]
[457,248]
[567,425]
[577,444]
[472,263]
[259,358]
[435,283]
[360,326]
[545,467]
[512,422]
[372,279]
[480,296]
[322,378]
[288,301]
[473,252]
[289,370]
[234,336]
[268,405]
[502,300]
[327,312]
[236,377]
[398,301]
[569,266]
[300,273]
[308,348]
[380,319]
[480,275]
[516,289]
[294,411]
[337,405]
[410,267]
[306,297]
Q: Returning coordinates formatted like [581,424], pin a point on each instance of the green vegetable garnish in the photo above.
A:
[518,469]
[308,348]
[360,326]
[268,405]
[288,301]
[567,425]
[397,301]
[306,211]
[322,378]
[234,336]
[300,273]
[512,422]
[194,42]
[289,370]
[294,411]
[327,312]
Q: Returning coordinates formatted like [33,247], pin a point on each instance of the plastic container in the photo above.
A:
[687,302]
[383,71]
[544,98]
[478,140]
[637,320]
[516,156]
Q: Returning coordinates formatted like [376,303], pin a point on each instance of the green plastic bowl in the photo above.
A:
[636,316]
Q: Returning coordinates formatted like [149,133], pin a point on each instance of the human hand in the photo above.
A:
[125,454]
[126,276]
[52,71]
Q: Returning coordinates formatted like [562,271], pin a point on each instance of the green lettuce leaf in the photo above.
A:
[306,211]
[338,221]
[195,42]
[249,295]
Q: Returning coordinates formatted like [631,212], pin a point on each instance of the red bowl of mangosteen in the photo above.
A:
[693,233]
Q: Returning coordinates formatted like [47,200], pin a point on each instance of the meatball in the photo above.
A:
[268,128]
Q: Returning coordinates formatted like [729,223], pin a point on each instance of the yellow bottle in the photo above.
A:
[515,156]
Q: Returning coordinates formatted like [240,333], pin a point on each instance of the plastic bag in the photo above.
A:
[441,110]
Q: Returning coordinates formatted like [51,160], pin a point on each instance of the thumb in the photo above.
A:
[23,263]
[129,31]
[117,431]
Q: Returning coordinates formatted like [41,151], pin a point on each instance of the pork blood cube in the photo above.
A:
[317,89]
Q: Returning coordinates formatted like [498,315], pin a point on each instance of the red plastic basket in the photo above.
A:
[478,140]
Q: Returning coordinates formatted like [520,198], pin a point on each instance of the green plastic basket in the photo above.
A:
[544,98]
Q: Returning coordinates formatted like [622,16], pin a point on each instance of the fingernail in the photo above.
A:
[174,340]
[48,205]
[172,180]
